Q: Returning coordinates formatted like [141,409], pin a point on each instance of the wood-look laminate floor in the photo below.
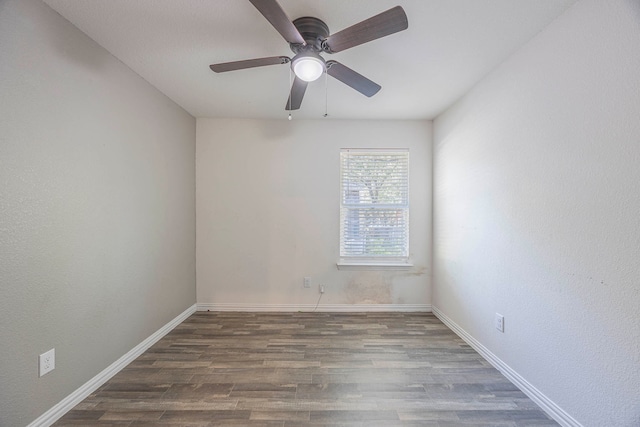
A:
[309,369]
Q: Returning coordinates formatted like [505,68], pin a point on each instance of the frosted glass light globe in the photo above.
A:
[308,68]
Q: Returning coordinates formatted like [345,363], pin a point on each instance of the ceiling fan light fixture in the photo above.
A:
[308,66]
[308,37]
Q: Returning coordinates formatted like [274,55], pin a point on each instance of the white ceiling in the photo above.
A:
[449,46]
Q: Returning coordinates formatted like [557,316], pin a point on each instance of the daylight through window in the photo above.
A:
[374,205]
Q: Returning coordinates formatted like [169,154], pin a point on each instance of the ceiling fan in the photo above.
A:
[308,37]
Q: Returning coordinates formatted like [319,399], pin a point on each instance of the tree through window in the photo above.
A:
[374,204]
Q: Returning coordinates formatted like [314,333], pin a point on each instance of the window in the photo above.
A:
[374,206]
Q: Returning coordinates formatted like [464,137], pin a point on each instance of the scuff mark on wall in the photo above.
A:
[369,288]
[418,270]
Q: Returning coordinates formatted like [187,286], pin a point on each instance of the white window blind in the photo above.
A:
[374,204]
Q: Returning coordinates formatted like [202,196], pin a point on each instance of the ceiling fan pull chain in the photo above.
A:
[326,94]
[289,100]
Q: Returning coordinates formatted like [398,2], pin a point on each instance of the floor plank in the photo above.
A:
[308,369]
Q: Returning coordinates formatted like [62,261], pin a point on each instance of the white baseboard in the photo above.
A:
[66,404]
[553,410]
[350,308]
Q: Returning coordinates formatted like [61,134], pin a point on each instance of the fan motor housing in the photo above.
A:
[313,30]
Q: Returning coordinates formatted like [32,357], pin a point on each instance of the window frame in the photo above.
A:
[375,261]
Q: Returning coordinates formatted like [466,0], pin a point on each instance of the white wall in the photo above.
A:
[267,196]
[537,202]
[97,210]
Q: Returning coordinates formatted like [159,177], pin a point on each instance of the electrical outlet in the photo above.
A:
[47,361]
[321,289]
[499,322]
[307,282]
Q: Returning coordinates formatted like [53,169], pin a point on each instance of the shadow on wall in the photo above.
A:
[72,48]
[278,132]
[635,5]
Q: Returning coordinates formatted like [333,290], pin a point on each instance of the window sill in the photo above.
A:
[373,265]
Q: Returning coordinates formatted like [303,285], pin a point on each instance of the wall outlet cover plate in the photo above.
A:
[47,362]
[499,322]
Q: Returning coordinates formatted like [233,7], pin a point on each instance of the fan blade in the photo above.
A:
[271,10]
[249,63]
[383,24]
[355,80]
[297,93]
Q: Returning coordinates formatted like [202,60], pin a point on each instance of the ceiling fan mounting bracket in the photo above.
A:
[314,32]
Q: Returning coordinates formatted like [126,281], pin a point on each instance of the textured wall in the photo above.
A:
[97,210]
[268,209]
[536,196]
